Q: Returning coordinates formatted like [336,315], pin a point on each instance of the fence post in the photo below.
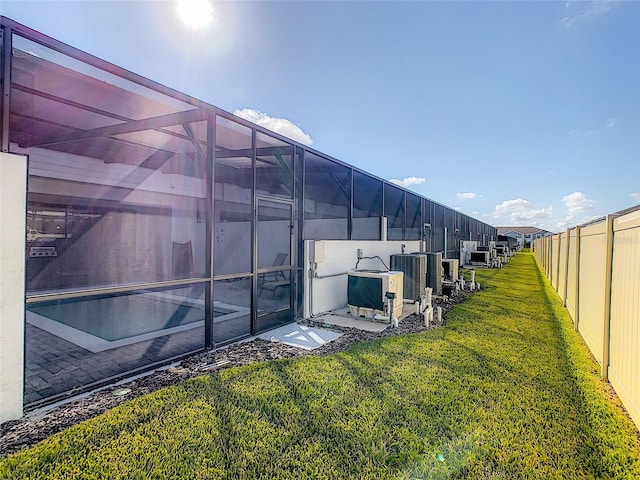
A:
[607,299]
[550,264]
[546,257]
[577,279]
[558,267]
[566,268]
[551,260]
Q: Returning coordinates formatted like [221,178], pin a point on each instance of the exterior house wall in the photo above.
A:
[166,204]
[340,256]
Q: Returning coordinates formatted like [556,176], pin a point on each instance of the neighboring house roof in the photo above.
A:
[539,231]
[522,230]
[627,210]
[619,213]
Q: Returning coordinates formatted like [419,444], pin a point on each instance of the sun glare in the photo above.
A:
[196,14]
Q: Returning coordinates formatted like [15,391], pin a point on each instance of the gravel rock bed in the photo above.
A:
[27,431]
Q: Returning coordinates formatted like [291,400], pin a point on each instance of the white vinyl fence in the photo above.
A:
[596,271]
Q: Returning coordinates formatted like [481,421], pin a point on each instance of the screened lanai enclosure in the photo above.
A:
[159,225]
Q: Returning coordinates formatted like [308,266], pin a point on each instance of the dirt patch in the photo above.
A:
[26,432]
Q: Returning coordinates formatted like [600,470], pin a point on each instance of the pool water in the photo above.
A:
[120,317]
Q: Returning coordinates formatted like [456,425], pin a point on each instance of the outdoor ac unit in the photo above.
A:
[480,257]
[366,291]
[434,272]
[450,267]
[414,267]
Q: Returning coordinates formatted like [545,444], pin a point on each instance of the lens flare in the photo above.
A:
[195,14]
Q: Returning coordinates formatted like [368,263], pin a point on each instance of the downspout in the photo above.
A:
[311,275]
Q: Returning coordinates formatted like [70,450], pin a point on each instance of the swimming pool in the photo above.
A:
[103,323]
[116,318]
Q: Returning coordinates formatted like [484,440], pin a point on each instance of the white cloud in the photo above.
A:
[599,7]
[520,210]
[568,222]
[594,9]
[510,205]
[567,22]
[458,208]
[408,181]
[531,214]
[592,218]
[466,195]
[636,196]
[609,123]
[577,203]
[279,125]
[578,209]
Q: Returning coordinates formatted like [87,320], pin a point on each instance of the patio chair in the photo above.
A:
[274,280]
[182,260]
[278,262]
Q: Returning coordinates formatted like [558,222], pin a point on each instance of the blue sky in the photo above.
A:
[517,113]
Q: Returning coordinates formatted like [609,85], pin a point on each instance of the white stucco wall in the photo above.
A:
[466,247]
[340,256]
[13,196]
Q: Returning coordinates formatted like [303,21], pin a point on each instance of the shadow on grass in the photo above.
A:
[606,422]
[499,392]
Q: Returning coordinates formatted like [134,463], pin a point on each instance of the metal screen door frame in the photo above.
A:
[273,278]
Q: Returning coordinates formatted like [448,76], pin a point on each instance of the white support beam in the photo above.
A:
[13,198]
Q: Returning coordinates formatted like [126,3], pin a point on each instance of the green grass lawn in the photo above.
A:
[505,390]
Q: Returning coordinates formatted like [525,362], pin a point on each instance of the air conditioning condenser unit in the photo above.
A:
[366,291]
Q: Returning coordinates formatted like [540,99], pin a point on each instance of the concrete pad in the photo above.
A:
[343,318]
[407,309]
[352,322]
[300,336]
